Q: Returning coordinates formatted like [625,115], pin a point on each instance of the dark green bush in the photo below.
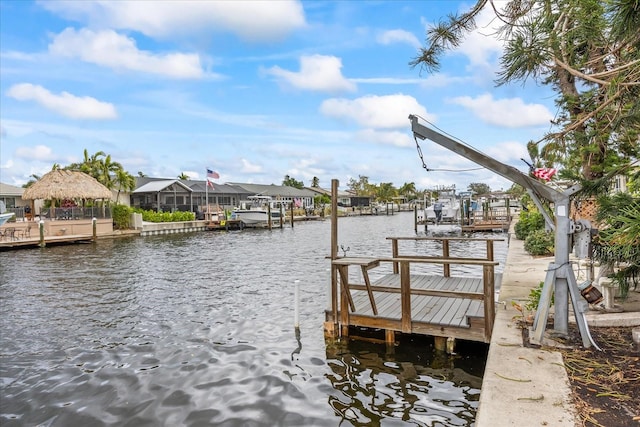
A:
[121,217]
[529,221]
[540,242]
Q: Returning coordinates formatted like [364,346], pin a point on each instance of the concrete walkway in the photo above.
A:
[527,386]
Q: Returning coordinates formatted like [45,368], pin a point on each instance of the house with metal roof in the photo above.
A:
[192,195]
[168,195]
[300,197]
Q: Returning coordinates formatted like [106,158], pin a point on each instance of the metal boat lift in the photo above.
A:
[560,279]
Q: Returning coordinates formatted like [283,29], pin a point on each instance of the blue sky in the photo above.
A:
[254,90]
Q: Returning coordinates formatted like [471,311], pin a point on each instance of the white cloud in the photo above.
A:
[481,46]
[508,152]
[511,112]
[260,21]
[110,49]
[248,167]
[376,112]
[398,36]
[317,72]
[65,104]
[39,152]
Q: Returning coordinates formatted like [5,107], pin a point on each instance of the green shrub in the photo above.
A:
[153,216]
[121,217]
[540,242]
[529,221]
[534,298]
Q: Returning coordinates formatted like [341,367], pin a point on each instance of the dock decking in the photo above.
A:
[48,240]
[425,304]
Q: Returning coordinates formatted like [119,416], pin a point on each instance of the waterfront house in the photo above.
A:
[12,198]
[161,194]
[300,197]
[166,195]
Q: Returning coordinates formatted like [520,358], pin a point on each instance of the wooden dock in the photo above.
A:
[229,224]
[48,240]
[490,220]
[442,306]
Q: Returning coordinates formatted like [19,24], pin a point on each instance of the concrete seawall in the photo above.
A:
[156,228]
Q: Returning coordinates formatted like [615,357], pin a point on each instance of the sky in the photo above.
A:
[256,90]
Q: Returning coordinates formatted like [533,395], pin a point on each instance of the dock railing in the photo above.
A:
[342,302]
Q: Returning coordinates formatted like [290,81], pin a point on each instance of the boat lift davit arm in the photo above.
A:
[560,279]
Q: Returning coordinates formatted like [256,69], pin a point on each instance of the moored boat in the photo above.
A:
[5,217]
[443,209]
[257,213]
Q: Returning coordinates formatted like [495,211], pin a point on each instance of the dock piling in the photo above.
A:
[41,227]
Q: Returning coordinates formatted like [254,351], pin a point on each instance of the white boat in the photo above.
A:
[5,217]
[444,209]
[257,213]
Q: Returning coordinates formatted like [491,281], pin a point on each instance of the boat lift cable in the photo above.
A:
[424,164]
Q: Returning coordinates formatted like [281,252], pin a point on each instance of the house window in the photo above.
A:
[10,202]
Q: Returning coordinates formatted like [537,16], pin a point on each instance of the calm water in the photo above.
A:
[198,330]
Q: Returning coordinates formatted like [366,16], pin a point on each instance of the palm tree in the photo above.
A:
[183,176]
[408,189]
[125,182]
[32,180]
[108,169]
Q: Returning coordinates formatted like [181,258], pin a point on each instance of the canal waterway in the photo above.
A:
[198,329]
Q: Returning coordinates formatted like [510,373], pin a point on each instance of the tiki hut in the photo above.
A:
[63,184]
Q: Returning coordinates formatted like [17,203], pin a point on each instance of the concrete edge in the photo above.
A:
[521,385]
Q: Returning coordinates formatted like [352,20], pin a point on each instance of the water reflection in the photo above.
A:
[411,383]
[197,330]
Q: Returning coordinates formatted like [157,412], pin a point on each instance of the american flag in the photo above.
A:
[212,174]
[210,184]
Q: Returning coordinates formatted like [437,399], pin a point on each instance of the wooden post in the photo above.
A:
[415,219]
[41,226]
[490,249]
[445,255]
[389,336]
[394,254]
[488,279]
[291,214]
[405,296]
[440,343]
[269,220]
[94,222]
[334,251]
[281,216]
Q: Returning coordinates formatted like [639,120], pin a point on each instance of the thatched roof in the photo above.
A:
[66,184]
